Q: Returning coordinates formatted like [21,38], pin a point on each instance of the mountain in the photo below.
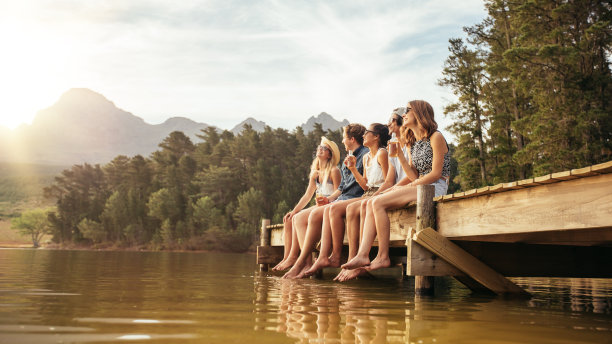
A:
[326,120]
[258,126]
[84,126]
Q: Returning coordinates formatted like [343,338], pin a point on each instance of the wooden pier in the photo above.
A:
[558,225]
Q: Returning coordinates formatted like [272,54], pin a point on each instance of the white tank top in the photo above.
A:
[325,189]
[374,171]
[399,171]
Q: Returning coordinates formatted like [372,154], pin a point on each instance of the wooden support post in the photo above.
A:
[474,268]
[425,217]
[264,240]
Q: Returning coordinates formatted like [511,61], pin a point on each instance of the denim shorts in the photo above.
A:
[441,186]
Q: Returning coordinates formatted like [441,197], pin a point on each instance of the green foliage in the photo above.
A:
[92,230]
[534,90]
[209,195]
[34,223]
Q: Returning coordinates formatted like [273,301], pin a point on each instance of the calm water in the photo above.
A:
[162,297]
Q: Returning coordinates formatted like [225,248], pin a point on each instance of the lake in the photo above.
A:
[52,296]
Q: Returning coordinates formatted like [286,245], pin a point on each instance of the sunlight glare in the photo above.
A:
[32,66]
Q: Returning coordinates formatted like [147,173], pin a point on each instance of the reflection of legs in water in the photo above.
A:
[378,207]
[312,235]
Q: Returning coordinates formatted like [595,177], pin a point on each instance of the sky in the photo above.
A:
[221,61]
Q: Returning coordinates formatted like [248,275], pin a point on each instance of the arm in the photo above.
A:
[410,171]
[383,161]
[306,197]
[438,145]
[389,180]
[361,180]
[336,179]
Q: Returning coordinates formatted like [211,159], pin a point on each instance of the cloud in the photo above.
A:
[281,62]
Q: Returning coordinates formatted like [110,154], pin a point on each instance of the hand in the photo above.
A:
[393,149]
[288,216]
[350,161]
[322,200]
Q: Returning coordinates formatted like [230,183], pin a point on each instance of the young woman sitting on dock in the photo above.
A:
[356,212]
[309,230]
[324,179]
[376,167]
[430,164]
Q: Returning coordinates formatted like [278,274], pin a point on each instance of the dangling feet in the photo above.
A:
[285,264]
[356,262]
[379,263]
[346,275]
[323,262]
[298,270]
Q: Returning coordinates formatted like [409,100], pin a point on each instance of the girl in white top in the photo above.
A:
[375,167]
[324,179]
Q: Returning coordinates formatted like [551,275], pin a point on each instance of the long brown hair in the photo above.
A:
[424,115]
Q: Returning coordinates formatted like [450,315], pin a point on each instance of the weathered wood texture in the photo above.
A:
[421,262]
[582,203]
[264,241]
[425,218]
[465,262]
[556,177]
[269,254]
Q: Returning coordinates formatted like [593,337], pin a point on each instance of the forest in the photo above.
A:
[533,96]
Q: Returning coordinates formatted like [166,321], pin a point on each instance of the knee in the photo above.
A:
[352,211]
[377,204]
[334,210]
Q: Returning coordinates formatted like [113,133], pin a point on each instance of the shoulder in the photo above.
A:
[335,170]
[438,141]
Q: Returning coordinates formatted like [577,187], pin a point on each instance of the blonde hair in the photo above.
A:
[326,167]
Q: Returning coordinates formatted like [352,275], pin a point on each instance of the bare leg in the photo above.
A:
[326,244]
[287,236]
[312,235]
[353,219]
[299,223]
[352,231]
[378,207]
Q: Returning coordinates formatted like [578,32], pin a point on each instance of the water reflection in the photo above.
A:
[82,297]
[387,311]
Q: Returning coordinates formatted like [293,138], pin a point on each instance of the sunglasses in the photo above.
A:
[324,147]
[370,131]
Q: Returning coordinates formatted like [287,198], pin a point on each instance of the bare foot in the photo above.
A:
[302,273]
[322,262]
[294,271]
[340,275]
[379,263]
[285,264]
[352,274]
[356,262]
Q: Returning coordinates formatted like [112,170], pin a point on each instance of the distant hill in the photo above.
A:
[84,126]
[258,126]
[328,122]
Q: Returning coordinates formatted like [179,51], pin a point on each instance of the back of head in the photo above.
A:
[356,131]
[383,133]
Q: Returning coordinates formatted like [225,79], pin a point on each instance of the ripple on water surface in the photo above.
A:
[81,296]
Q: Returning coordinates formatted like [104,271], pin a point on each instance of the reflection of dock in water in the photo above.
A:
[316,311]
[558,225]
